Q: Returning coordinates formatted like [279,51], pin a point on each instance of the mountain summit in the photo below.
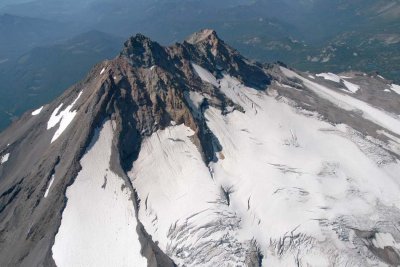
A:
[192,155]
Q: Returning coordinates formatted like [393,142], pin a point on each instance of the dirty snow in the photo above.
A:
[98,226]
[205,75]
[346,102]
[64,117]
[5,158]
[37,111]
[49,186]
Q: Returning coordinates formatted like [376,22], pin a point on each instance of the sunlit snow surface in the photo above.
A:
[98,226]
[181,205]
[64,118]
[37,111]
[297,186]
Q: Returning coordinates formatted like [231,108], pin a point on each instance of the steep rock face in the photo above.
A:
[209,146]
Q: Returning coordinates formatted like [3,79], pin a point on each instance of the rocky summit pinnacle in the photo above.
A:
[205,35]
[193,155]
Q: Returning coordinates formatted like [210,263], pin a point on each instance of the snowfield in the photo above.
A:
[287,185]
[98,226]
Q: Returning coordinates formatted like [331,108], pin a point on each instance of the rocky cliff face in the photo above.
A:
[201,84]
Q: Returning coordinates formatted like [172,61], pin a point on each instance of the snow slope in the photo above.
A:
[98,226]
[305,174]
[286,184]
[181,205]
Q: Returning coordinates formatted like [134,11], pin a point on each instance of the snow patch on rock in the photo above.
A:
[49,186]
[395,88]
[330,76]
[4,158]
[64,117]
[351,86]
[37,111]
